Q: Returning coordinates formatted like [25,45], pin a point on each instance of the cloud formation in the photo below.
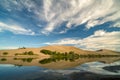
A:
[74,12]
[99,40]
[8,47]
[77,12]
[15,29]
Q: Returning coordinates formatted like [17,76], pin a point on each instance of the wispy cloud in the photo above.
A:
[77,12]
[117,24]
[15,29]
[74,12]
[99,40]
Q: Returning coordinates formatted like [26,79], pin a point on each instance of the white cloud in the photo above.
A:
[74,12]
[9,47]
[117,24]
[63,31]
[99,40]
[78,12]
[15,29]
[21,5]
[65,41]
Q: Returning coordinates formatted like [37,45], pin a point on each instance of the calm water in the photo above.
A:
[51,69]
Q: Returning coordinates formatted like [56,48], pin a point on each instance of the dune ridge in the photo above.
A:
[59,48]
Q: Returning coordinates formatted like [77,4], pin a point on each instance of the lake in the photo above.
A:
[21,68]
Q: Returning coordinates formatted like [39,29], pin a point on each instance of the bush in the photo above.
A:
[69,56]
[25,53]
[47,52]
[3,59]
[30,53]
[27,59]
[5,53]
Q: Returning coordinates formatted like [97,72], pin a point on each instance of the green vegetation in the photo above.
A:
[57,56]
[47,52]
[30,53]
[24,59]
[25,53]
[72,54]
[68,56]
[5,53]
[3,59]
[48,60]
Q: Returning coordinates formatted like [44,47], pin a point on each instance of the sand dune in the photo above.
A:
[58,48]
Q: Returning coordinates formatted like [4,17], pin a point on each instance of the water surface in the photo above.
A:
[18,68]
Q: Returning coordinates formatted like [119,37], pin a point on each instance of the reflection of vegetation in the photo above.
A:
[55,59]
[26,53]
[5,53]
[68,56]
[49,60]
[3,59]
[57,56]
[24,59]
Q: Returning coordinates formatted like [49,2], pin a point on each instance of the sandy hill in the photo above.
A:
[106,51]
[57,48]
[60,48]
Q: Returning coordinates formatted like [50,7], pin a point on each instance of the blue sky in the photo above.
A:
[86,24]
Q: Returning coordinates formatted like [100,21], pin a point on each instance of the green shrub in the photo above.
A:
[16,54]
[3,59]
[29,59]
[25,53]
[47,52]
[68,56]
[5,53]
[30,53]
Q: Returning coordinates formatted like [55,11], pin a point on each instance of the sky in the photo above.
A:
[86,24]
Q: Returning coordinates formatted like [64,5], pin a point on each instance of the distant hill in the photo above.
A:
[106,51]
[58,48]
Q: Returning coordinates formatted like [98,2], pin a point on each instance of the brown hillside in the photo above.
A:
[57,48]
[107,52]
